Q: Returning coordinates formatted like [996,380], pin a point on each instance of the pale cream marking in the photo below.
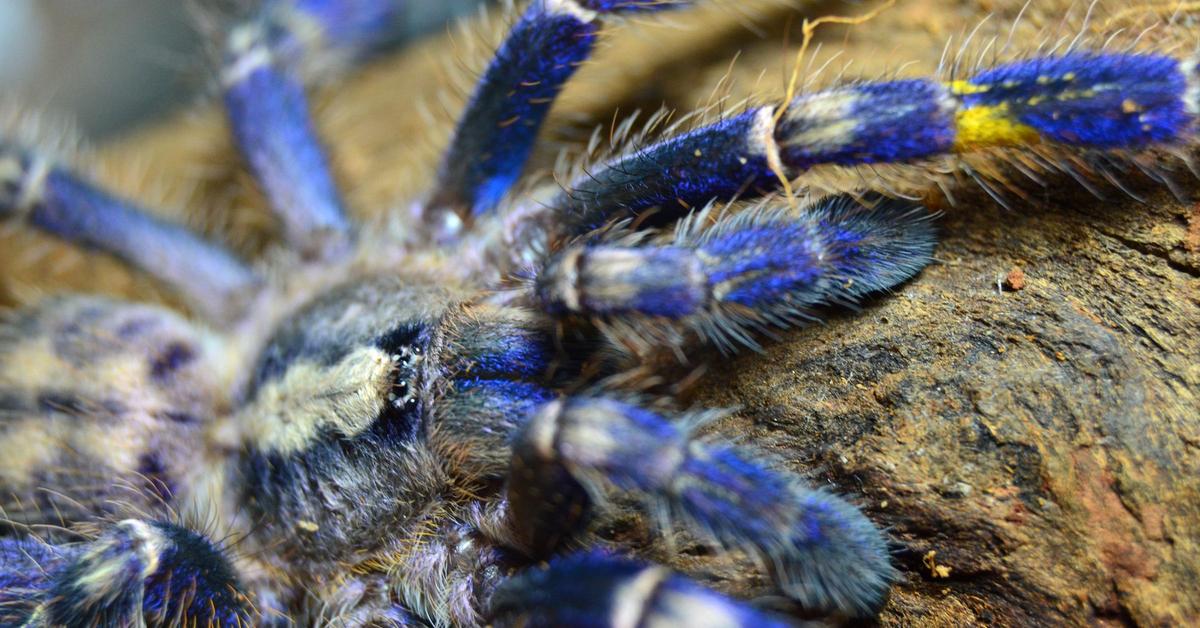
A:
[117,446]
[305,28]
[12,172]
[828,119]
[569,7]
[544,429]
[105,571]
[608,270]
[33,188]
[26,447]
[288,413]
[630,599]
[591,443]
[680,609]
[250,53]
[32,364]
[567,281]
[588,442]
[763,137]
[11,168]
[1191,95]
[151,546]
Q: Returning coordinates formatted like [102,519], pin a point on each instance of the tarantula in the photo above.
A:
[399,428]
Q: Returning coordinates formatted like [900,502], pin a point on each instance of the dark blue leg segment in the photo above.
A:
[502,342]
[885,122]
[595,590]
[64,205]
[480,415]
[24,580]
[822,551]
[269,117]
[766,266]
[353,26]
[138,571]
[725,159]
[497,130]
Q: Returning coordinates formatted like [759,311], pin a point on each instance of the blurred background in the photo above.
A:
[113,64]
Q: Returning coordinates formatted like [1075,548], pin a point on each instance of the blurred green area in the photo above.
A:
[115,64]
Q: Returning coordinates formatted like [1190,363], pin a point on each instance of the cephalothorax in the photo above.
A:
[397,428]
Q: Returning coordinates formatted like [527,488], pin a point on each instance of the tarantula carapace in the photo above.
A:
[400,428]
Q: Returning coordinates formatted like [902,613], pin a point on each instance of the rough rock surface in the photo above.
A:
[1023,416]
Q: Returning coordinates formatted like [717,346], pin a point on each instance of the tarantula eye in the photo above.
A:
[407,355]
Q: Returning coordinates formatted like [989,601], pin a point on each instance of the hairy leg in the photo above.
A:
[766,266]
[137,571]
[819,548]
[1105,102]
[262,78]
[497,131]
[37,191]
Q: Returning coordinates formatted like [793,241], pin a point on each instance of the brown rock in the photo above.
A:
[1015,279]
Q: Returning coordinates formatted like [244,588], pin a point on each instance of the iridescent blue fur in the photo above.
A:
[826,554]
[594,589]
[1092,99]
[505,403]
[197,582]
[75,210]
[269,118]
[514,358]
[352,24]
[497,131]
[775,264]
[622,6]
[1088,99]
[680,174]
[892,121]
[833,252]
[104,582]
[269,115]
[25,565]
[763,263]
[503,348]
[467,394]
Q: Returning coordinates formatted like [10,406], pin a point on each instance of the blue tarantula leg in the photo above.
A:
[732,157]
[1097,101]
[137,573]
[497,130]
[822,551]
[1101,101]
[597,590]
[39,192]
[339,27]
[764,266]
[269,115]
